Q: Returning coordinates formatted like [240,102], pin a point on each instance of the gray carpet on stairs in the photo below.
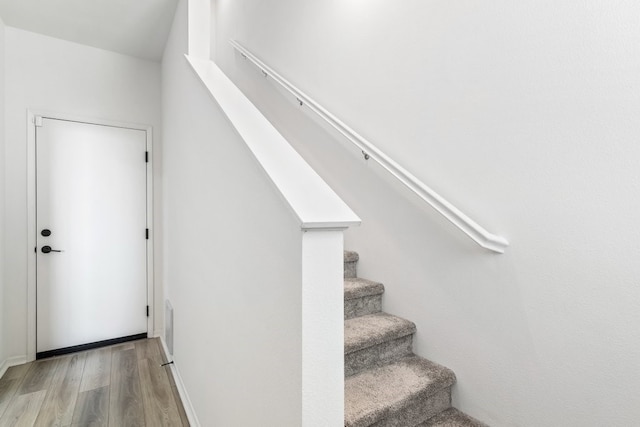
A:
[350,264]
[386,385]
[367,331]
[361,297]
[398,392]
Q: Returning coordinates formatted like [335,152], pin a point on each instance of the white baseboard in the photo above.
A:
[12,361]
[186,402]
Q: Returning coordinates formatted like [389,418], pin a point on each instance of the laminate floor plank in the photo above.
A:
[167,367]
[148,349]
[178,400]
[17,372]
[160,409]
[23,410]
[8,389]
[118,386]
[174,389]
[92,408]
[124,346]
[97,369]
[39,376]
[125,403]
[9,384]
[58,406]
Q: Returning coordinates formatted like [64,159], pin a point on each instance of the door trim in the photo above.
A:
[31,215]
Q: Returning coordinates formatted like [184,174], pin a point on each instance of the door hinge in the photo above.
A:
[147,311]
[146,233]
[146,157]
[37,120]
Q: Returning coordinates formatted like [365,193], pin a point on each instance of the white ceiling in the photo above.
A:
[133,27]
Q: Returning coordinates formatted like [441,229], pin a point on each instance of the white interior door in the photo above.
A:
[91,197]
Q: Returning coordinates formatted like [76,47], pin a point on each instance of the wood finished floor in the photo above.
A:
[120,385]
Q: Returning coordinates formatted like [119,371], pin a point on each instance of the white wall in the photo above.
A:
[2,204]
[233,265]
[524,114]
[48,74]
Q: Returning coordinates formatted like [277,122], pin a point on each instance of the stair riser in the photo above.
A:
[417,410]
[452,417]
[377,355]
[350,271]
[362,306]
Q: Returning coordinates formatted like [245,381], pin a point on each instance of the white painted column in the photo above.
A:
[322,328]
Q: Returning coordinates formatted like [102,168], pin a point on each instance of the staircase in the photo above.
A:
[386,385]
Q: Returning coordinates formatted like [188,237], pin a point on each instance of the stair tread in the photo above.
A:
[375,394]
[351,256]
[452,418]
[372,329]
[358,288]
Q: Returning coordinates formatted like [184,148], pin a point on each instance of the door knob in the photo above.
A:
[47,249]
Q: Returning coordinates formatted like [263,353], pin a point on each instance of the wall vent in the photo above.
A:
[168,326]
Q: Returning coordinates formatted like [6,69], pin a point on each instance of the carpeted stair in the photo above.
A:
[386,385]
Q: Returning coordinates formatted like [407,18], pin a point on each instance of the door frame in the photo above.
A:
[31,215]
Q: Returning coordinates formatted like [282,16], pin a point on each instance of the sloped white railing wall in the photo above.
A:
[322,217]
